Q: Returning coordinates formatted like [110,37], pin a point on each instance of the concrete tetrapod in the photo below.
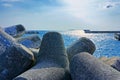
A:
[33,41]
[82,45]
[51,73]
[53,51]
[15,31]
[84,66]
[53,60]
[14,58]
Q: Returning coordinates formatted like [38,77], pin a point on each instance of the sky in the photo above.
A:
[61,14]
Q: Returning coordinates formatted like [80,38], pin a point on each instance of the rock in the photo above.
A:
[14,58]
[81,45]
[53,60]
[116,64]
[84,66]
[33,41]
[15,31]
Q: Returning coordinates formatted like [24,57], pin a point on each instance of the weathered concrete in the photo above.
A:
[52,63]
[14,58]
[33,41]
[44,74]
[82,45]
[52,51]
[84,66]
[15,31]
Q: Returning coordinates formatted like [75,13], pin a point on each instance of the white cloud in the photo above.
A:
[94,12]
[7,5]
[79,8]
[85,8]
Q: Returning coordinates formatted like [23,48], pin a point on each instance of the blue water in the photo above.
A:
[106,44]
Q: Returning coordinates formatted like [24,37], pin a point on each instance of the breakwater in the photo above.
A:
[89,31]
[51,60]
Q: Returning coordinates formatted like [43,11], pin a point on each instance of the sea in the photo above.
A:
[106,44]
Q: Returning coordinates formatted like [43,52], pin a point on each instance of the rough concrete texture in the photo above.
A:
[82,45]
[52,51]
[44,74]
[14,58]
[53,61]
[84,66]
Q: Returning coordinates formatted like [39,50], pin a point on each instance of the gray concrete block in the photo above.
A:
[44,74]
[14,58]
[52,51]
[82,45]
[53,60]
[84,66]
[33,41]
[15,31]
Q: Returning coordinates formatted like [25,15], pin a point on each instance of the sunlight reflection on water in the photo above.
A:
[106,44]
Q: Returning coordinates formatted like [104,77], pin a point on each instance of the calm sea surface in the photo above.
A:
[106,44]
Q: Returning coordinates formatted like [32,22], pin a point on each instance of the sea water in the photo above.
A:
[106,44]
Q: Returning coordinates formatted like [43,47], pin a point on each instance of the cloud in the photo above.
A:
[79,8]
[94,12]
[7,5]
